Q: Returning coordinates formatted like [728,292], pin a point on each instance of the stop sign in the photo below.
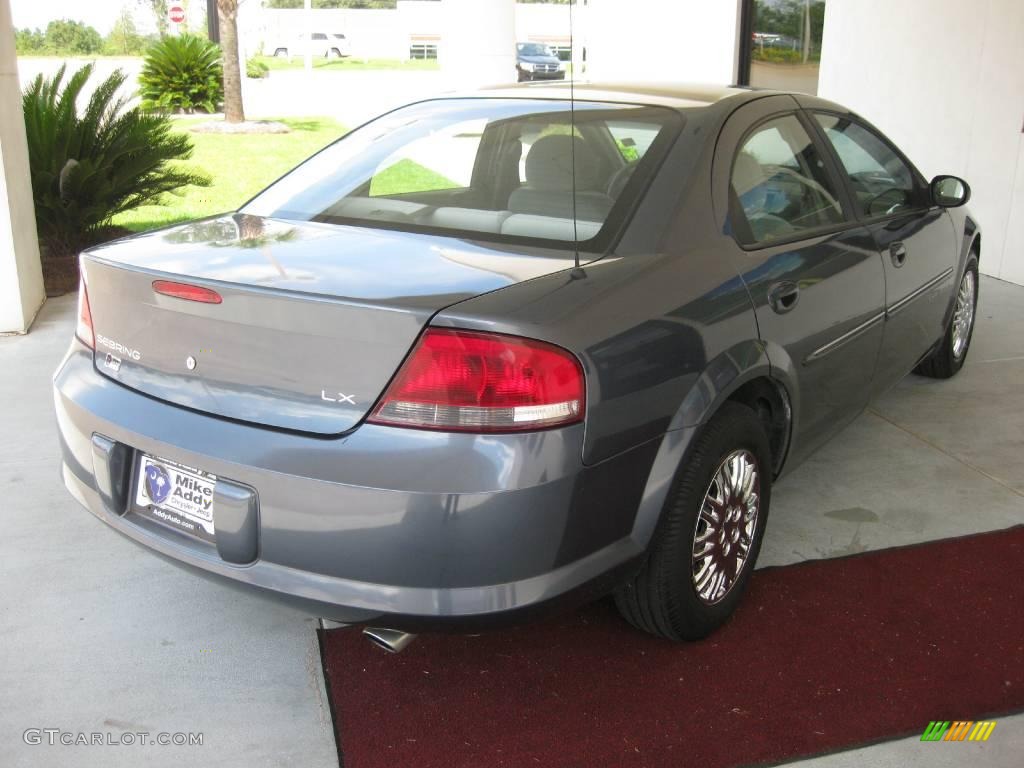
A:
[176,14]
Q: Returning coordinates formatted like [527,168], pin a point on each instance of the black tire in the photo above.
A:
[662,598]
[943,362]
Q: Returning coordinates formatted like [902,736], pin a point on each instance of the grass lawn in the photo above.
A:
[408,176]
[238,165]
[350,64]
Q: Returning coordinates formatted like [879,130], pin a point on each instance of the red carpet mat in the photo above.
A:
[821,656]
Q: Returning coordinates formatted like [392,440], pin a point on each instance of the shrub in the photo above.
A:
[88,167]
[72,37]
[29,41]
[255,69]
[182,74]
[776,55]
[63,37]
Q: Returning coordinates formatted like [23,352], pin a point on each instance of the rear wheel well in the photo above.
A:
[770,402]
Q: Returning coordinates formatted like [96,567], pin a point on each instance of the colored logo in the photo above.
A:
[158,483]
[958,730]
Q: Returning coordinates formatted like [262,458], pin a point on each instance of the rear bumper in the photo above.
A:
[407,528]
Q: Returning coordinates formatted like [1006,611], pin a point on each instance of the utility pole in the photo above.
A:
[308,38]
[807,31]
[212,21]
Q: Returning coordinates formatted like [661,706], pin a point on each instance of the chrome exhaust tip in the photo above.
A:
[391,640]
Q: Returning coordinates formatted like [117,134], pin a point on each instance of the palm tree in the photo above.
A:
[227,11]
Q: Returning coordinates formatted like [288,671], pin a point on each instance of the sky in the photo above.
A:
[100,14]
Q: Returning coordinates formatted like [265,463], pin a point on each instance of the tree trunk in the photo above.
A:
[227,11]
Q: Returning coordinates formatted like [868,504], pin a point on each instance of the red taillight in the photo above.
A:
[83,330]
[483,382]
[186,291]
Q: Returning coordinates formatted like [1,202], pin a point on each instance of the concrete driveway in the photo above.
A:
[98,636]
[352,98]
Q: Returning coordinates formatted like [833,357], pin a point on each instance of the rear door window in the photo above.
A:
[780,187]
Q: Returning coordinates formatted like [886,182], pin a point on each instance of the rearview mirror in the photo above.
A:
[950,191]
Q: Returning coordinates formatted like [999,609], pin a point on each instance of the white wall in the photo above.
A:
[21,276]
[479,45]
[373,33]
[1012,262]
[682,40]
[542,22]
[386,34]
[945,80]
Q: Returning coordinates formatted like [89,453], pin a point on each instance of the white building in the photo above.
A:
[413,29]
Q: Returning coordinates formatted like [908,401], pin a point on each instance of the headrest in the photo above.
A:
[747,174]
[549,164]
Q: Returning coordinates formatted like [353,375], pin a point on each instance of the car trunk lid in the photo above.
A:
[313,322]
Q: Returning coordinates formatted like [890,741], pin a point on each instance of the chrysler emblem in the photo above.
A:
[190,363]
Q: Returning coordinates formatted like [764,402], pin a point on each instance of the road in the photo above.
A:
[349,97]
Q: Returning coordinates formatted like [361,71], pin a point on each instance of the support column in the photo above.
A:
[478,42]
[689,41]
[21,274]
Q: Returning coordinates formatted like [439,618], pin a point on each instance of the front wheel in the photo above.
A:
[710,534]
[948,358]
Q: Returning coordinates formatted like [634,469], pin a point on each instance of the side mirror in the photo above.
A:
[950,191]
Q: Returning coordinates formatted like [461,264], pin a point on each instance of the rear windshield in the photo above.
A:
[490,169]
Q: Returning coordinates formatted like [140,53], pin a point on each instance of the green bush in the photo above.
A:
[90,166]
[182,74]
[255,69]
[63,37]
[29,41]
[776,55]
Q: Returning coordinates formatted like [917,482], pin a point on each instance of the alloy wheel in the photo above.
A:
[725,526]
[963,315]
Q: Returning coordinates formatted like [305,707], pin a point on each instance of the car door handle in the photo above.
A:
[782,297]
[898,254]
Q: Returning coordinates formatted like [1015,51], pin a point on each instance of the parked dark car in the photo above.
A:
[492,355]
[536,61]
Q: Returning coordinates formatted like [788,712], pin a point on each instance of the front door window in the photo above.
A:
[883,185]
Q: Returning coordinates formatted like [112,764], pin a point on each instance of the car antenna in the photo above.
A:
[576,272]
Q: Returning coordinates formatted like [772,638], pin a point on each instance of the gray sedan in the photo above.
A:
[492,355]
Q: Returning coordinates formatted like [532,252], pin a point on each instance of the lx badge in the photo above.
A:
[341,398]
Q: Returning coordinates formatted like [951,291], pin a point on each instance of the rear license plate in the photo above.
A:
[180,497]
